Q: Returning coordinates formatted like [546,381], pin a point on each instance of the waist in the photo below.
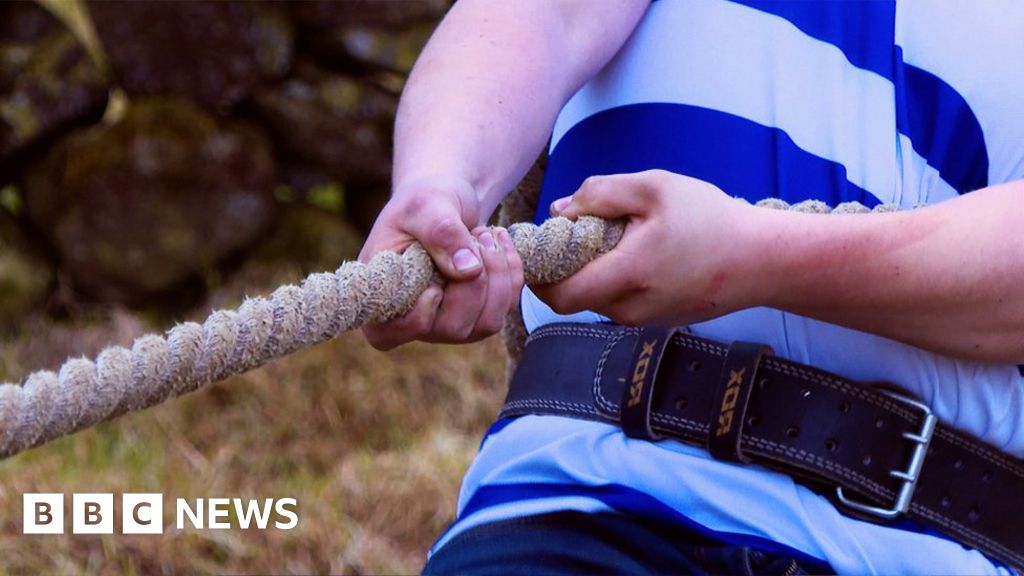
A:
[746,405]
[540,464]
[985,400]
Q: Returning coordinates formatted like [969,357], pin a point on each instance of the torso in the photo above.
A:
[909,103]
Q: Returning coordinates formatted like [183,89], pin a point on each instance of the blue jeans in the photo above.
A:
[602,543]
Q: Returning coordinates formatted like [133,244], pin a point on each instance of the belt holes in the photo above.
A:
[694,365]
[879,423]
[986,476]
[793,431]
[806,394]
[844,407]
[866,460]
[973,514]
[946,501]
[753,420]
[764,383]
[831,444]
[958,464]
[682,403]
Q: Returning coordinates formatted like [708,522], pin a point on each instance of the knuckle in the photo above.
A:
[445,230]
[419,325]
[463,333]
[488,327]
[655,176]
[452,329]
[652,183]
[496,321]
[647,191]
[593,185]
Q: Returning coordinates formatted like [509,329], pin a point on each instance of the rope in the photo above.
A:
[156,368]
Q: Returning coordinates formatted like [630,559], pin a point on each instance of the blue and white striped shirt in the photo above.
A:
[911,103]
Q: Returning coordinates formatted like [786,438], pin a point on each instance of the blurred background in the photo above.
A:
[162,159]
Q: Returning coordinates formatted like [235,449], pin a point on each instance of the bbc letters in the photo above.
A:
[144,513]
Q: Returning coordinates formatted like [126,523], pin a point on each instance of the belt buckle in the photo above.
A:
[921,440]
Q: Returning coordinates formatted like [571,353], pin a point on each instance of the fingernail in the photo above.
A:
[487,239]
[505,239]
[561,204]
[464,260]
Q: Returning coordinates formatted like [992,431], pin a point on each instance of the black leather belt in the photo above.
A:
[875,452]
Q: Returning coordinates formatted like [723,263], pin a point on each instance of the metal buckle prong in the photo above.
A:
[921,440]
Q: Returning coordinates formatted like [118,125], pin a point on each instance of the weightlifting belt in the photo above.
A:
[877,453]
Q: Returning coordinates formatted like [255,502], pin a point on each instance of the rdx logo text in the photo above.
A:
[144,513]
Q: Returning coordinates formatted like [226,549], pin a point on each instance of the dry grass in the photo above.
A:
[371,445]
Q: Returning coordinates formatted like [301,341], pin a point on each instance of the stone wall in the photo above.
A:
[174,149]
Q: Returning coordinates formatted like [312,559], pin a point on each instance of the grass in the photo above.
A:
[372,446]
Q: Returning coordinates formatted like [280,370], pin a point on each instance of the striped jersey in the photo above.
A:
[909,102]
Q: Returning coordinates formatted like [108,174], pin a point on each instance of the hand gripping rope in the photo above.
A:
[85,392]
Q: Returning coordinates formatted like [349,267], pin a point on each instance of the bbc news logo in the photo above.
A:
[144,513]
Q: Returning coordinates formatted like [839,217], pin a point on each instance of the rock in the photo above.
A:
[363,204]
[25,21]
[24,284]
[138,208]
[306,240]
[332,129]
[334,124]
[310,238]
[360,204]
[213,52]
[48,83]
[302,177]
[324,14]
[365,50]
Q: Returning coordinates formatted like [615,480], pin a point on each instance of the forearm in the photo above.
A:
[948,278]
[484,93]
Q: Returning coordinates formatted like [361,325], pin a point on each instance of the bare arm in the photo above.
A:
[485,91]
[476,111]
[947,278]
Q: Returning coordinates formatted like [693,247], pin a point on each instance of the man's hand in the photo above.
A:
[945,278]
[477,107]
[484,272]
[679,261]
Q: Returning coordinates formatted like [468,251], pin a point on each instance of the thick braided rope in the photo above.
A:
[84,392]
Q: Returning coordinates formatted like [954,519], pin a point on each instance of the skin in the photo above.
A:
[944,278]
[474,115]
